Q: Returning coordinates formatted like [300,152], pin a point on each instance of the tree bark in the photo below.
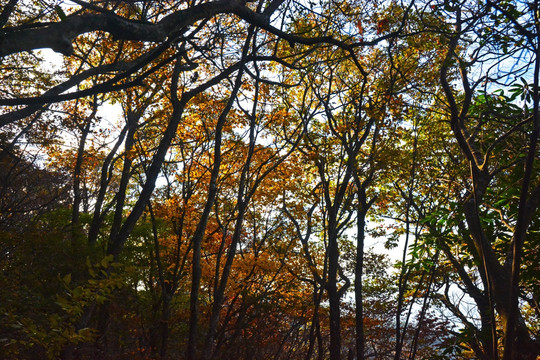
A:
[201,226]
[77,181]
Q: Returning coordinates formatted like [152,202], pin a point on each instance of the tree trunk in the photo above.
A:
[359,268]
[333,293]
[77,182]
[201,227]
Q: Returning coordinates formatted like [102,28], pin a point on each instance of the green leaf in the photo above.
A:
[61,14]
[106,261]
[67,279]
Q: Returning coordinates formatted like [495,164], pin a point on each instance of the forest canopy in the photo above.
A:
[269,179]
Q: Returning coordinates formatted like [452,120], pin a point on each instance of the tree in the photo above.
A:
[471,125]
[196,172]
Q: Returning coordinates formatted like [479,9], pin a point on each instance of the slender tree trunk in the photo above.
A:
[132,120]
[167,292]
[77,182]
[403,276]
[359,268]
[196,271]
[103,185]
[331,287]
[201,227]
[317,293]
[220,293]
[242,201]
[512,336]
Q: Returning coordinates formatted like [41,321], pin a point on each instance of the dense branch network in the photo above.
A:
[215,171]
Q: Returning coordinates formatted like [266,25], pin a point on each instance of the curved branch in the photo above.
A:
[54,94]
[60,35]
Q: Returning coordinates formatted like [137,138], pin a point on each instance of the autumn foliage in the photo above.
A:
[269,179]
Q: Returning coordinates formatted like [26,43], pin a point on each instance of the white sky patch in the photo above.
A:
[53,61]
